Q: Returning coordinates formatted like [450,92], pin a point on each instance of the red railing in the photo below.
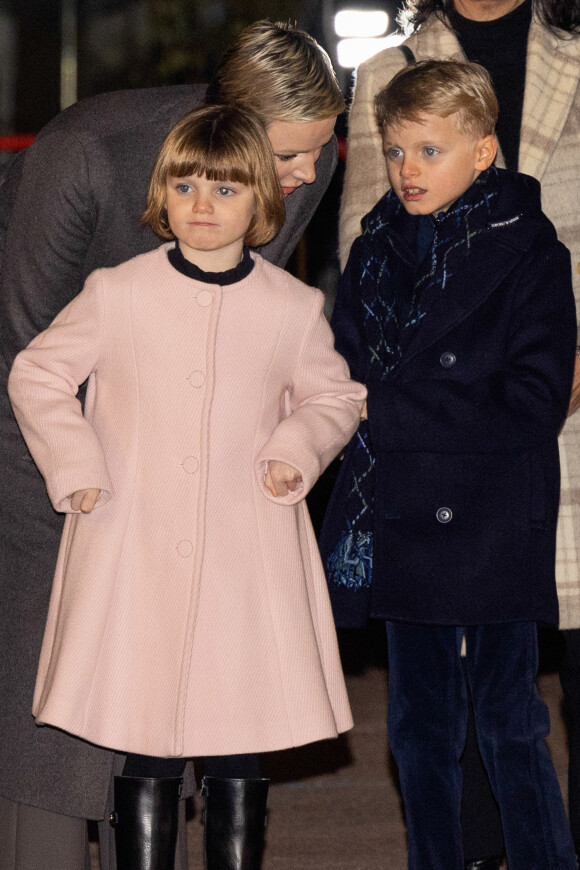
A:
[16,143]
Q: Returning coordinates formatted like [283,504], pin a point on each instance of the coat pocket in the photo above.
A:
[459,514]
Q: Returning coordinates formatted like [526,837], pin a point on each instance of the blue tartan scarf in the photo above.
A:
[403,264]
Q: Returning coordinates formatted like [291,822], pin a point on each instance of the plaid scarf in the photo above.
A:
[397,285]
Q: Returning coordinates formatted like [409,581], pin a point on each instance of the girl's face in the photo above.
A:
[210,219]
[297,147]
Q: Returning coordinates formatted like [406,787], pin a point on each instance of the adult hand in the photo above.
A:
[84,500]
[281,478]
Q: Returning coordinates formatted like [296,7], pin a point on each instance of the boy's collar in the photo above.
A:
[481,192]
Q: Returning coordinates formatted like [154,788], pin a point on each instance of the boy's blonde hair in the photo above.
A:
[223,144]
[440,87]
[280,73]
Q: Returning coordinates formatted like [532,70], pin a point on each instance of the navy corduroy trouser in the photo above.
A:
[427,717]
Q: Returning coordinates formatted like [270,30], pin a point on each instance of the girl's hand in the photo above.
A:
[281,478]
[84,500]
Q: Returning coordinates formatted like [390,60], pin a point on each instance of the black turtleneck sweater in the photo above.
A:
[231,276]
[500,46]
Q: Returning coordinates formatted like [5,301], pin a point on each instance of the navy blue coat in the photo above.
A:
[464,428]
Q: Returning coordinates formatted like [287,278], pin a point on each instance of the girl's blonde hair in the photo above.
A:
[280,73]
[440,87]
[223,144]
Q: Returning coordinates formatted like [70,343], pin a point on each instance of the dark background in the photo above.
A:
[132,43]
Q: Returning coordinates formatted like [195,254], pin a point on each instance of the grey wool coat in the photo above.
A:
[549,151]
[70,204]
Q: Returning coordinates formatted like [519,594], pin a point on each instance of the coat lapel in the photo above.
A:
[435,40]
[552,76]
[464,292]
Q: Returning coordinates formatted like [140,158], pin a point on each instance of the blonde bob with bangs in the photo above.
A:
[221,143]
[443,88]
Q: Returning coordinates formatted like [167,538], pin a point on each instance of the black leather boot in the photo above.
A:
[145,822]
[235,817]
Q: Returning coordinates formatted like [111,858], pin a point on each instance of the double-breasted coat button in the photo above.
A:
[185,549]
[190,464]
[196,379]
[204,298]
[444,515]
[447,359]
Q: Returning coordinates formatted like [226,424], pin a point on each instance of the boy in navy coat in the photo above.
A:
[456,310]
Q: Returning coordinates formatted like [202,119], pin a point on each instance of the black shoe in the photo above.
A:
[494,863]
[145,822]
[235,817]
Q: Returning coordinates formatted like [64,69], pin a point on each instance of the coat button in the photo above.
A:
[185,549]
[447,359]
[444,515]
[204,298]
[190,464]
[196,379]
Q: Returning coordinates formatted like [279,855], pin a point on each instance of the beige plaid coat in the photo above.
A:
[550,151]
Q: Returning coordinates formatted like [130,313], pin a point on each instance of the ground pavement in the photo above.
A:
[335,805]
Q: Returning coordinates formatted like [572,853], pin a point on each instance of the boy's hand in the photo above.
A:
[84,500]
[575,395]
[281,478]
[363,414]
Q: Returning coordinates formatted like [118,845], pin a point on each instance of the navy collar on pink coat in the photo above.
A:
[230,276]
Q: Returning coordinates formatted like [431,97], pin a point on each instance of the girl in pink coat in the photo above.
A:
[189,612]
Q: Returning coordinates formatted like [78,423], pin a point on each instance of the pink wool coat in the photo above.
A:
[189,612]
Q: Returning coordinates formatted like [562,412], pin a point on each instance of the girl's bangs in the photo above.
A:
[213,166]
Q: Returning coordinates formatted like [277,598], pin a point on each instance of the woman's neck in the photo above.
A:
[485,10]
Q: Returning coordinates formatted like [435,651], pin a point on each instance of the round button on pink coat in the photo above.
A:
[204,298]
[185,549]
[196,379]
[190,464]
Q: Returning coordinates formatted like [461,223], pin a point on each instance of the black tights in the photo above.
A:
[222,766]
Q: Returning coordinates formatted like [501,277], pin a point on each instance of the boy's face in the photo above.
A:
[431,163]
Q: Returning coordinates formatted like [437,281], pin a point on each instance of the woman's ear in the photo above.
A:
[486,150]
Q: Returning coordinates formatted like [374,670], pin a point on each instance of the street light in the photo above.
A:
[360,22]
[361,33]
